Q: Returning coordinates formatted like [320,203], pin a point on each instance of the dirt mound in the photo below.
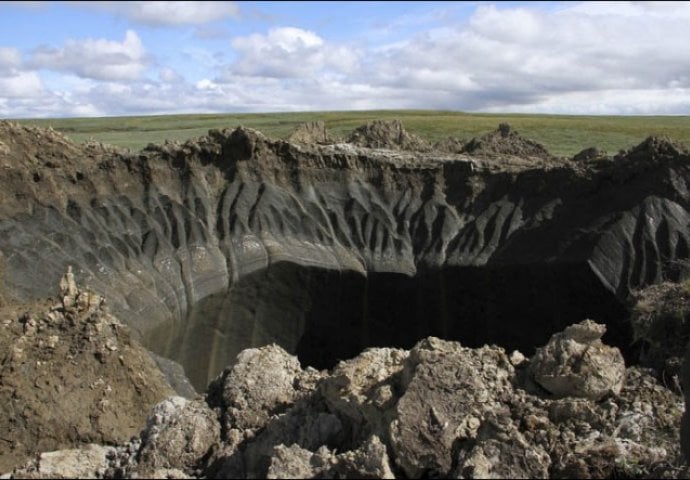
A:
[505,141]
[655,148]
[26,146]
[661,324]
[311,133]
[70,375]
[390,134]
[589,154]
[450,145]
[439,410]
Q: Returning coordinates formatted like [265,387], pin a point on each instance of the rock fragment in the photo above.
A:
[449,389]
[363,390]
[501,451]
[178,435]
[89,461]
[575,363]
[368,461]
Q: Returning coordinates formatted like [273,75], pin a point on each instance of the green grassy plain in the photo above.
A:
[561,134]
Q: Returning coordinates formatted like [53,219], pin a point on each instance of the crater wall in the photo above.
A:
[234,240]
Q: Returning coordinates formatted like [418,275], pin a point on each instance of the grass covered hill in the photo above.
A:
[562,134]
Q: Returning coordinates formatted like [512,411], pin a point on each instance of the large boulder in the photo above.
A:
[179,434]
[260,384]
[575,363]
[449,389]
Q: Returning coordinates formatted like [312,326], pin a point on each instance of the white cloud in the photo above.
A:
[169,13]
[524,58]
[48,104]
[21,85]
[169,75]
[95,58]
[289,52]
[578,58]
[9,58]
[625,102]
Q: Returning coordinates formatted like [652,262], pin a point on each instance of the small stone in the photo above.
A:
[29,326]
[516,358]
[52,342]
[68,289]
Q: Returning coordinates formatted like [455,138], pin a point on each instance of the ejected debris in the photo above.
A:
[390,134]
[505,141]
[311,133]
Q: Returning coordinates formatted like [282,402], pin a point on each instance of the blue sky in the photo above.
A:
[131,58]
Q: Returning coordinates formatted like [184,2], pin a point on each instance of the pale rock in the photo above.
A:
[501,451]
[90,461]
[259,385]
[449,390]
[362,389]
[370,460]
[575,363]
[178,435]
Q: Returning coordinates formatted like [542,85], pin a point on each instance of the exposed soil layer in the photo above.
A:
[70,375]
[438,410]
[234,240]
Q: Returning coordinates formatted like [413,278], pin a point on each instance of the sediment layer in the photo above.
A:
[235,240]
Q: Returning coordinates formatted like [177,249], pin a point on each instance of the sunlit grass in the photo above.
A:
[561,134]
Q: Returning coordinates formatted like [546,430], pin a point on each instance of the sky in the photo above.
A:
[83,59]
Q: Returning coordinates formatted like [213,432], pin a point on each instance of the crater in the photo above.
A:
[324,316]
[234,240]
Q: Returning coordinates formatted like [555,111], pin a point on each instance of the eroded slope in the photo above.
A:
[234,240]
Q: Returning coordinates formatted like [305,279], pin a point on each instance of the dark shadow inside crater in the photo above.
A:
[517,307]
[324,316]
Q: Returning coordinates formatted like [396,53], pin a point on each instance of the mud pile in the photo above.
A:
[506,141]
[450,145]
[389,134]
[437,410]
[70,375]
[655,148]
[311,133]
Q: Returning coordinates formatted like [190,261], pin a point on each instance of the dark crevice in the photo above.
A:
[324,316]
[513,307]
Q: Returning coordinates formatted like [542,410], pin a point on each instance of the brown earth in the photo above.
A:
[390,134]
[311,133]
[439,410]
[70,375]
[506,141]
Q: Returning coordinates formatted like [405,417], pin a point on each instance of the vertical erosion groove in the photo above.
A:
[233,241]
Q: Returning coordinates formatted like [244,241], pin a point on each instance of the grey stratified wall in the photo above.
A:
[221,244]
